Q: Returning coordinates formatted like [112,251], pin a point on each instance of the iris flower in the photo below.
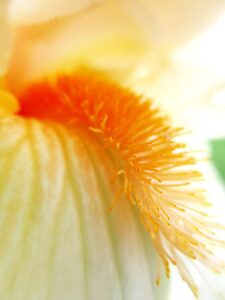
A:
[99,194]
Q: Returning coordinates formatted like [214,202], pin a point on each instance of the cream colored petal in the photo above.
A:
[58,239]
[168,23]
[6,37]
[203,61]
[104,37]
[112,36]
[190,82]
[189,95]
[38,11]
[175,22]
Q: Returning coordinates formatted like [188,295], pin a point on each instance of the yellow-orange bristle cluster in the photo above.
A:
[155,168]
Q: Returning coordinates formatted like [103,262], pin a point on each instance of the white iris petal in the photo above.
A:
[58,238]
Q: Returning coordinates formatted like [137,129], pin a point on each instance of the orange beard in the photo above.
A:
[153,170]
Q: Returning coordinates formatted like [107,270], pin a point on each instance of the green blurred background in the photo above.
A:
[217,148]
